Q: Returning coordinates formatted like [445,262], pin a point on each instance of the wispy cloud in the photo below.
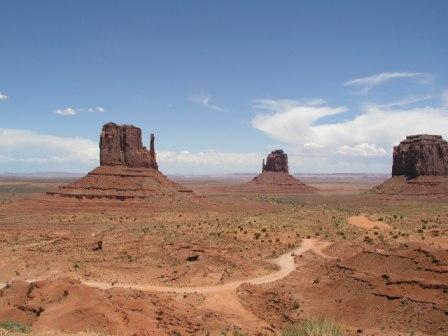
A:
[3,96]
[407,101]
[66,112]
[280,104]
[70,111]
[384,77]
[205,101]
[365,84]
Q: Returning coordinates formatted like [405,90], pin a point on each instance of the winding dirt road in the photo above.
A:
[285,263]
[223,299]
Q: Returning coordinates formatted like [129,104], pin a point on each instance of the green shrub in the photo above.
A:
[14,326]
[314,327]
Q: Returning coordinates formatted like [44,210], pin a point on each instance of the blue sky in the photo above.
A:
[336,84]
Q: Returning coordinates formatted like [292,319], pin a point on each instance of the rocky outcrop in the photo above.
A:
[127,171]
[275,177]
[421,155]
[420,167]
[122,145]
[277,161]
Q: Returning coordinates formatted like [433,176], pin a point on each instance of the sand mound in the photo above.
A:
[364,222]
[277,183]
[66,305]
[121,183]
[422,185]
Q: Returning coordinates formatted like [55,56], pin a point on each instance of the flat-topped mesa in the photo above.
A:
[421,155]
[420,167]
[122,145]
[277,161]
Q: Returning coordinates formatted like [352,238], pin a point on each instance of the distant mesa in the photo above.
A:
[277,161]
[275,177]
[127,170]
[420,167]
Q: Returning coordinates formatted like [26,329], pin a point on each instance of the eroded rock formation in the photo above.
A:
[277,161]
[420,167]
[122,145]
[275,177]
[421,155]
[127,171]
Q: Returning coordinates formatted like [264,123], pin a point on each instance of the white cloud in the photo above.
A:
[362,149]
[211,161]
[372,133]
[96,109]
[24,150]
[19,146]
[68,111]
[312,145]
[381,78]
[209,158]
[3,96]
[205,101]
[287,120]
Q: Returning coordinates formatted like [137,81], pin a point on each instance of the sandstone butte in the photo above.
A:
[420,167]
[127,170]
[275,177]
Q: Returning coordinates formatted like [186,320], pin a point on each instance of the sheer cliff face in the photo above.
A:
[421,155]
[277,161]
[122,145]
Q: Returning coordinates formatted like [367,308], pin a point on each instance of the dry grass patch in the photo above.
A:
[314,327]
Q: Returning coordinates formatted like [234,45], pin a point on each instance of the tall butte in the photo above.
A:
[420,167]
[127,170]
[275,177]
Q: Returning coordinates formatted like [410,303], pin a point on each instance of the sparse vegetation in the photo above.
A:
[14,326]
[314,327]
[50,333]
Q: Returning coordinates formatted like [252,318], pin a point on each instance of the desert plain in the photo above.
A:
[223,260]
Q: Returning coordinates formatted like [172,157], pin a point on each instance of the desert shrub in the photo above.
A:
[314,327]
[14,326]
[237,332]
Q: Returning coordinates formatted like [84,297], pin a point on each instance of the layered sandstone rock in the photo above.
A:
[420,167]
[275,177]
[127,170]
[421,155]
[122,145]
[277,161]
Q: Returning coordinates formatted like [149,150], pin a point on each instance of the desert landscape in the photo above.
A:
[126,250]
[223,168]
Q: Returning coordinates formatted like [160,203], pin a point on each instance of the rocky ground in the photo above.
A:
[385,272]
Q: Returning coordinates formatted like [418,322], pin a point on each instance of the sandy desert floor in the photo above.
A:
[227,263]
